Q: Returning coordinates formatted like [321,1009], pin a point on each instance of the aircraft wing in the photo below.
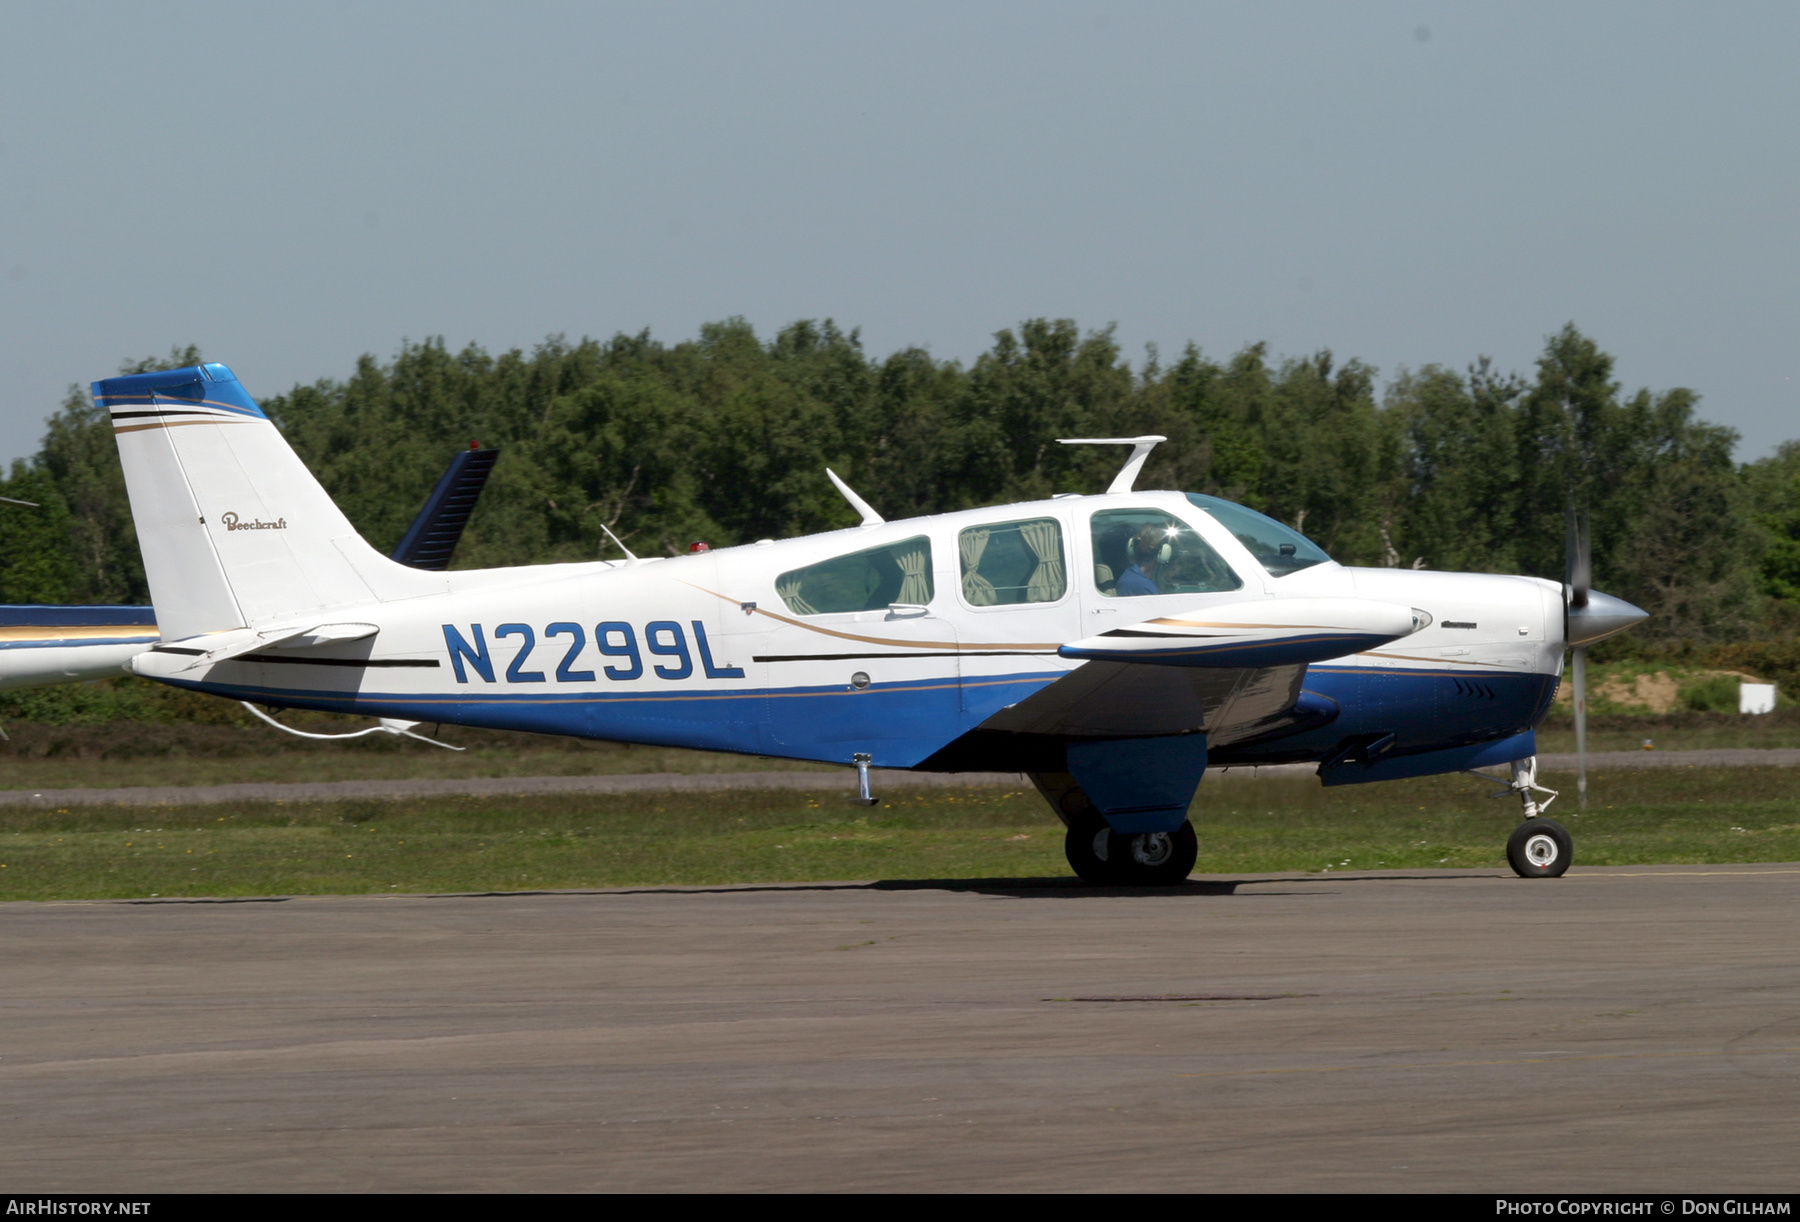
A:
[1263,632]
[1234,671]
[1106,699]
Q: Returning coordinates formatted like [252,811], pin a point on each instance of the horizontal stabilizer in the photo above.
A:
[179,657]
[1267,632]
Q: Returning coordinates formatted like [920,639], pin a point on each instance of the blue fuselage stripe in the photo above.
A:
[903,723]
[900,723]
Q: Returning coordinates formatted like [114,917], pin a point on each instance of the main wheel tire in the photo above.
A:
[1087,844]
[1153,859]
[1540,848]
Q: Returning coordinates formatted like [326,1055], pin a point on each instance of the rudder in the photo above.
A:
[235,531]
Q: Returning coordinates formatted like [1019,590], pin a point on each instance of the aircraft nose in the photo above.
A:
[1603,616]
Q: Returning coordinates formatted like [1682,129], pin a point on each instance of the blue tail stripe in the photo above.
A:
[211,385]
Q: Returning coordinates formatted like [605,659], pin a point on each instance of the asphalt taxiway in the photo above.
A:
[1631,1029]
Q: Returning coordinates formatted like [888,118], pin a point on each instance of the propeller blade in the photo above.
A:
[1578,562]
[1578,679]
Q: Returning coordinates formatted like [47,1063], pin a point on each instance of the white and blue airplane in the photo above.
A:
[1112,647]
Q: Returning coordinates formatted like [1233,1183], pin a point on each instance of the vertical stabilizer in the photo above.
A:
[432,538]
[234,529]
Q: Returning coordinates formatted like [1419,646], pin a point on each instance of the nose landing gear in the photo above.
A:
[1538,847]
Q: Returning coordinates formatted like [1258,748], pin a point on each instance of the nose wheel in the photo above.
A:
[1540,848]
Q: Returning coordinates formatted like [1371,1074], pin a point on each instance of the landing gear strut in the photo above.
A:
[1119,859]
[1538,847]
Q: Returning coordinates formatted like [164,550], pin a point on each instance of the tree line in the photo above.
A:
[725,437]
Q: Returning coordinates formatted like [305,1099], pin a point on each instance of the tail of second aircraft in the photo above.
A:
[235,531]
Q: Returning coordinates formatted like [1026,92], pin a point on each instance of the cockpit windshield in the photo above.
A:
[1279,549]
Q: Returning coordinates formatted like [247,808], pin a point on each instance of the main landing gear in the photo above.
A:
[1538,847]
[1118,859]
[1107,858]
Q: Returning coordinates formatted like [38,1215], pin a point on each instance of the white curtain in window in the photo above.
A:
[978,591]
[914,559]
[789,589]
[1047,582]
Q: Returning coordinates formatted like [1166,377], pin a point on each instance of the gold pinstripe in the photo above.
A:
[175,424]
[33,632]
[875,640]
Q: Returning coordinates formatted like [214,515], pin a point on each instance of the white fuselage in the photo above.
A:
[704,650]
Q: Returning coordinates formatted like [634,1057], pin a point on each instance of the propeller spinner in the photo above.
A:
[1588,616]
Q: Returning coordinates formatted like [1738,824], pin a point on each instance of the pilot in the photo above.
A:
[1150,549]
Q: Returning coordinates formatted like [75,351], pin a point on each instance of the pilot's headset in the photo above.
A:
[1146,546]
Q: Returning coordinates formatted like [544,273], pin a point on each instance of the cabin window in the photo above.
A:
[1146,551]
[1012,562]
[862,581]
[1279,549]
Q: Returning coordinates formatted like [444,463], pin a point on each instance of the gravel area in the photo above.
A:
[669,782]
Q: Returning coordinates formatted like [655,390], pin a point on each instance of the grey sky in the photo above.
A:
[291,186]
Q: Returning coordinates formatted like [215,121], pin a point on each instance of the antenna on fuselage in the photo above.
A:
[1128,474]
[869,516]
[629,554]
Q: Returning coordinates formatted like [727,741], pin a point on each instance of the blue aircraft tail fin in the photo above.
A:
[434,534]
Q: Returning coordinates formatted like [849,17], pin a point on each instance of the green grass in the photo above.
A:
[536,756]
[1677,815]
[349,764]
[38,755]
[1666,737]
[470,844]
[1677,731]
[1632,686]
[109,755]
[475,844]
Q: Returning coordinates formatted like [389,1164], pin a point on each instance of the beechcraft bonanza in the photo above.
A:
[1112,647]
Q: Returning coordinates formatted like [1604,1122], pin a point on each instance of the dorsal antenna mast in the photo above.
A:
[629,554]
[869,516]
[1127,476]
